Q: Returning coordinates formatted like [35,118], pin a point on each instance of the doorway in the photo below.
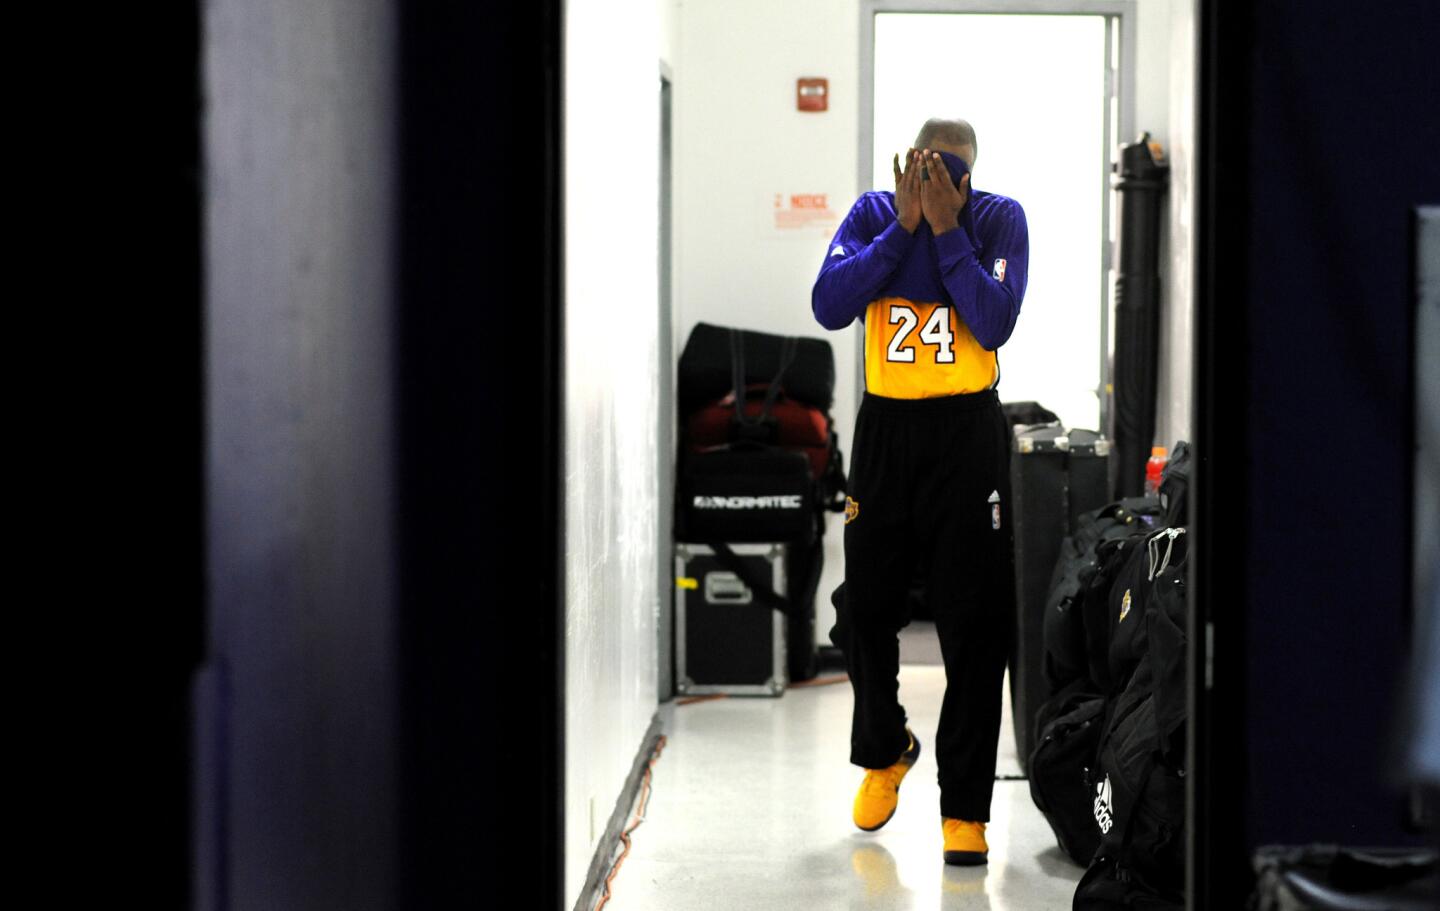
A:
[1044,90]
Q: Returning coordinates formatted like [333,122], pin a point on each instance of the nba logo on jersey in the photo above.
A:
[999,271]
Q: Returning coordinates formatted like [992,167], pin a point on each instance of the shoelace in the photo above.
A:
[1152,547]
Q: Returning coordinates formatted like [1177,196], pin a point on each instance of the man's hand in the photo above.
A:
[907,191]
[940,199]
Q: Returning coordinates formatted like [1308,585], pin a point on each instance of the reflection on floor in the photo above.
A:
[750,809]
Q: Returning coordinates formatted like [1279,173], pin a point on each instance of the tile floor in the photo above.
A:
[750,809]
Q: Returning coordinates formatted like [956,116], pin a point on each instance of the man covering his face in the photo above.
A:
[936,270]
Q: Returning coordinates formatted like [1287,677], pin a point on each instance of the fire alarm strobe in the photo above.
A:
[812,94]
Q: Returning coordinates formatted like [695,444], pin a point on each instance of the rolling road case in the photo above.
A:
[1055,476]
[728,638]
[1041,515]
[759,462]
[1087,474]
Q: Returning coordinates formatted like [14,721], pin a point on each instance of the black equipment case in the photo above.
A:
[1087,473]
[729,638]
[1041,513]
[747,494]
[1052,485]
[760,462]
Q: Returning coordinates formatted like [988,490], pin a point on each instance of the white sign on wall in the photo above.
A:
[804,212]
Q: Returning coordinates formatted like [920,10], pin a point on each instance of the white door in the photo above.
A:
[1034,89]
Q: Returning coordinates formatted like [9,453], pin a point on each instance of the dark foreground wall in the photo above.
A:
[378,707]
[1321,136]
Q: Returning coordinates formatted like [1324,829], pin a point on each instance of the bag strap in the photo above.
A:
[788,348]
[787,357]
[760,586]
[737,373]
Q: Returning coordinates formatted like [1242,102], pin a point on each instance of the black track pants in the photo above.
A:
[926,478]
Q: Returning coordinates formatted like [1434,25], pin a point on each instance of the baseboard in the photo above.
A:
[605,848]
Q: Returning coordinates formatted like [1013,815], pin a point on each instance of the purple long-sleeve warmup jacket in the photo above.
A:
[979,270]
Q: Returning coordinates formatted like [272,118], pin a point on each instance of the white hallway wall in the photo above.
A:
[1165,106]
[1177,315]
[739,141]
[611,406]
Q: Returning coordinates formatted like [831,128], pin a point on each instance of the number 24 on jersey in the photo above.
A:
[936,332]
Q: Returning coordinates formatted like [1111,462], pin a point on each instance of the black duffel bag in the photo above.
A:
[1026,413]
[1175,485]
[1130,600]
[705,372]
[1064,629]
[1138,801]
[1060,764]
[1139,782]
[1167,631]
[1093,603]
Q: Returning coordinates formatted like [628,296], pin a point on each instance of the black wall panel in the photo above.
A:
[379,709]
[1319,136]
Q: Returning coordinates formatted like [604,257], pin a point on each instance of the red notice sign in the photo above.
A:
[794,211]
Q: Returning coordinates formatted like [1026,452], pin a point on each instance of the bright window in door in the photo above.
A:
[1034,88]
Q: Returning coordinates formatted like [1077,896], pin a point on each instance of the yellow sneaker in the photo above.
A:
[880,791]
[964,842]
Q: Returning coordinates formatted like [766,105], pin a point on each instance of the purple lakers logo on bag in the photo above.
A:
[852,509]
[999,271]
[994,502]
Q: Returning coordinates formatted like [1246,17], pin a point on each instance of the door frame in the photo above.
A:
[666,418]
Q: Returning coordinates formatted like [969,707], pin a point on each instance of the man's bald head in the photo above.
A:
[958,135]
